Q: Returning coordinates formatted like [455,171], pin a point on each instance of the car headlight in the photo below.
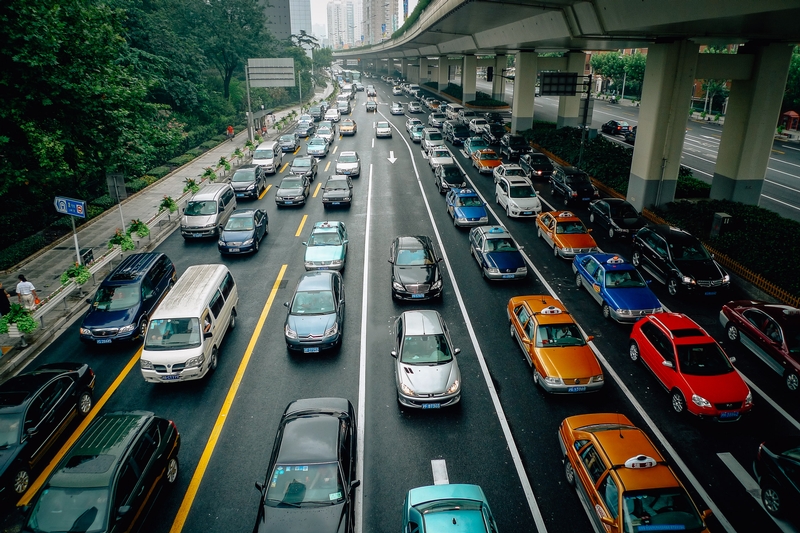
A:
[337,262]
[85,331]
[699,401]
[145,365]
[493,270]
[567,250]
[553,381]
[289,332]
[407,390]
[688,280]
[598,378]
[454,387]
[437,284]
[195,361]
[749,398]
[211,225]
[658,310]
[522,270]
[248,242]
[220,243]
[128,328]
[726,278]
[251,187]
[333,330]
[624,312]
[397,286]
[484,219]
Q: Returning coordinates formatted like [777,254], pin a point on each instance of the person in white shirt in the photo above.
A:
[26,293]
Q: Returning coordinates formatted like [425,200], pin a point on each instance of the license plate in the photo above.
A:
[576,389]
[239,194]
[585,199]
[431,405]
[103,341]
[233,249]
[417,295]
[710,293]
[171,377]
[527,212]
[311,350]
[508,276]
[197,234]
[336,203]
[287,203]
[729,414]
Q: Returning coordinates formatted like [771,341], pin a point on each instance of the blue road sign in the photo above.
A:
[70,206]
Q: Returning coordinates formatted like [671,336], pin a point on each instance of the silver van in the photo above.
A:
[208,211]
[269,156]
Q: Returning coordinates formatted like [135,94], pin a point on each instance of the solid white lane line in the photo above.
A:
[778,201]
[439,467]
[770,401]
[533,505]
[781,185]
[752,488]
[784,173]
[696,170]
[362,367]
[784,162]
[790,147]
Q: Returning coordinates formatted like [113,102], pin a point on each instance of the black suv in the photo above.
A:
[35,410]
[110,478]
[494,117]
[537,165]
[513,146]
[678,260]
[776,466]
[573,185]
[249,180]
[493,133]
[455,132]
[316,112]
[120,309]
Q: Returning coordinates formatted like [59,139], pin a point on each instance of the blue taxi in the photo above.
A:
[437,508]
[497,253]
[466,208]
[616,285]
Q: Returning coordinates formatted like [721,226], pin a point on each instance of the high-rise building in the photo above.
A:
[278,15]
[301,16]
[336,25]
[381,19]
[350,20]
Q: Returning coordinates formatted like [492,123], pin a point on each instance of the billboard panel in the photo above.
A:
[274,72]
[559,83]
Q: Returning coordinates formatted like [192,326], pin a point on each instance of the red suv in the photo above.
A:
[692,367]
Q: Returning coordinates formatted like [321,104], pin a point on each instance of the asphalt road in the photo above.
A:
[502,436]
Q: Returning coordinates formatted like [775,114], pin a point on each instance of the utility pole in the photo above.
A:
[587,110]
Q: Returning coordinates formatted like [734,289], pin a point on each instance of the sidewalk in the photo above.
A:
[45,270]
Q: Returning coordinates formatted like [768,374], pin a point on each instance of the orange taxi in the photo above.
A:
[621,478]
[486,160]
[553,345]
[565,233]
[348,127]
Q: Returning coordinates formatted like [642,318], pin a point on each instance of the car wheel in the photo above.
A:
[552,191]
[569,472]
[497,199]
[85,402]
[566,202]
[255,246]
[143,327]
[636,259]
[539,232]
[266,231]
[672,286]
[733,333]
[633,351]
[591,217]
[792,381]
[536,376]
[578,280]
[610,233]
[508,211]
[232,323]
[555,251]
[606,311]
[771,498]
[212,364]
[21,480]
[678,402]
[172,470]
[511,329]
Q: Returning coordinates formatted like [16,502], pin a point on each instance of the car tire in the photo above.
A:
[792,380]
[636,259]
[566,201]
[672,286]
[771,498]
[733,333]
[21,480]
[508,211]
[143,327]
[538,232]
[678,402]
[255,246]
[552,191]
[633,351]
[578,281]
[212,365]
[606,310]
[232,323]
[85,402]
[173,468]
[591,217]
[266,231]
[555,251]
[497,199]
[511,329]
[569,472]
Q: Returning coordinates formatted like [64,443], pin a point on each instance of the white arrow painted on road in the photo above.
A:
[391,157]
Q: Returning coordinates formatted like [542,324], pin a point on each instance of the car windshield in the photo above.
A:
[515,172]
[451,172]
[626,279]
[348,159]
[460,130]
[623,211]
[688,250]
[295,485]
[703,360]
[660,510]
[346,124]
[516,141]
[425,350]
[239,224]
[521,191]
[468,201]
[9,429]
[325,238]
[291,183]
[383,124]
[264,154]
[336,185]
[468,114]
[287,138]
[324,131]
[570,228]
[244,176]
[302,163]
[116,297]
[173,334]
[317,143]
[60,509]
[195,209]
[539,159]
[312,303]
[578,179]
[438,116]
[500,245]
[418,257]
[559,335]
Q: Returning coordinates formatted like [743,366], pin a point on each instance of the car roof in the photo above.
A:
[610,261]
[348,152]
[464,192]
[132,269]
[563,216]
[316,281]
[516,180]
[494,232]
[312,437]
[327,226]
[413,242]
[546,309]
[337,177]
[422,322]
[511,166]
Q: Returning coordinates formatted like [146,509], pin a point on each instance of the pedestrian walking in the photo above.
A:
[5,302]
[230,133]
[26,293]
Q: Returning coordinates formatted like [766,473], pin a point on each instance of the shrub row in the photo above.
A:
[181,160]
[487,102]
[21,250]
[159,172]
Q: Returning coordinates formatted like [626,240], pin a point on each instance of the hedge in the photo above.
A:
[21,250]
[195,152]
[105,201]
[208,145]
[487,102]
[181,160]
[136,185]
[159,172]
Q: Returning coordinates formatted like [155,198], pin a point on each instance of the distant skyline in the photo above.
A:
[319,13]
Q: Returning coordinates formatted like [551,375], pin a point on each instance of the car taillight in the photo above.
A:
[171,423]
[758,455]
[573,193]
[619,127]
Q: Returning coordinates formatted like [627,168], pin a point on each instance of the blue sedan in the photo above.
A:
[616,285]
[496,253]
[442,507]
[466,208]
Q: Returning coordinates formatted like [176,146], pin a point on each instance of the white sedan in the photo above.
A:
[383,129]
[518,197]
[477,125]
[333,115]
[439,155]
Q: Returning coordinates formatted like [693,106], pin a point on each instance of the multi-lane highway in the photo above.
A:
[503,434]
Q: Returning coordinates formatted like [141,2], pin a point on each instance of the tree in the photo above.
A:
[716,90]
[791,98]
[611,66]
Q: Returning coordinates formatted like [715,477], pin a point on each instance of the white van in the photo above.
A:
[185,332]
[268,155]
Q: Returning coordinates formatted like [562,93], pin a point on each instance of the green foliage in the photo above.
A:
[93,211]
[123,240]
[412,18]
[689,186]
[195,152]
[181,160]
[208,145]
[791,97]
[159,172]
[168,203]
[21,317]
[487,102]
[105,201]
[22,249]
[191,185]
[78,273]
[209,174]
[136,185]
[432,84]
[139,228]
[616,68]
[454,90]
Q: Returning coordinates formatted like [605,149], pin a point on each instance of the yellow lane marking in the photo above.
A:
[36,485]
[202,465]
[296,150]
[327,166]
[317,189]
[335,148]
[340,136]
[300,227]
[774,150]
[284,166]
[263,194]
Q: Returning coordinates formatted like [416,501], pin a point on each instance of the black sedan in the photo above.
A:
[305,129]
[338,191]
[304,166]
[415,269]
[36,408]
[776,466]
[615,127]
[289,142]
[243,232]
[493,133]
[537,165]
[311,478]
[630,137]
[617,215]
[494,117]
[447,176]
[293,190]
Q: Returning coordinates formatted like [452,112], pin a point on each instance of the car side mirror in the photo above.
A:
[345,241]
[390,260]
[304,243]
[607,520]
[457,351]
[668,364]
[394,353]
[732,359]
[648,281]
[286,304]
[259,486]
[705,514]
[221,209]
[590,230]
[183,210]
[355,484]
[30,432]
[439,259]
[207,335]
[590,338]
[89,301]
[122,511]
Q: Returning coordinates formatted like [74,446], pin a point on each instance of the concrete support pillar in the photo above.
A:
[388,66]
[469,74]
[404,68]
[413,71]
[423,70]
[666,95]
[499,82]
[524,90]
[569,106]
[444,73]
[752,115]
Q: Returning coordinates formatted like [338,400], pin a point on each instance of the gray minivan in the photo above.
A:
[207,211]
[269,156]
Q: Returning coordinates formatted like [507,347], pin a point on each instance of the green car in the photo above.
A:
[416,133]
[326,248]
[437,508]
